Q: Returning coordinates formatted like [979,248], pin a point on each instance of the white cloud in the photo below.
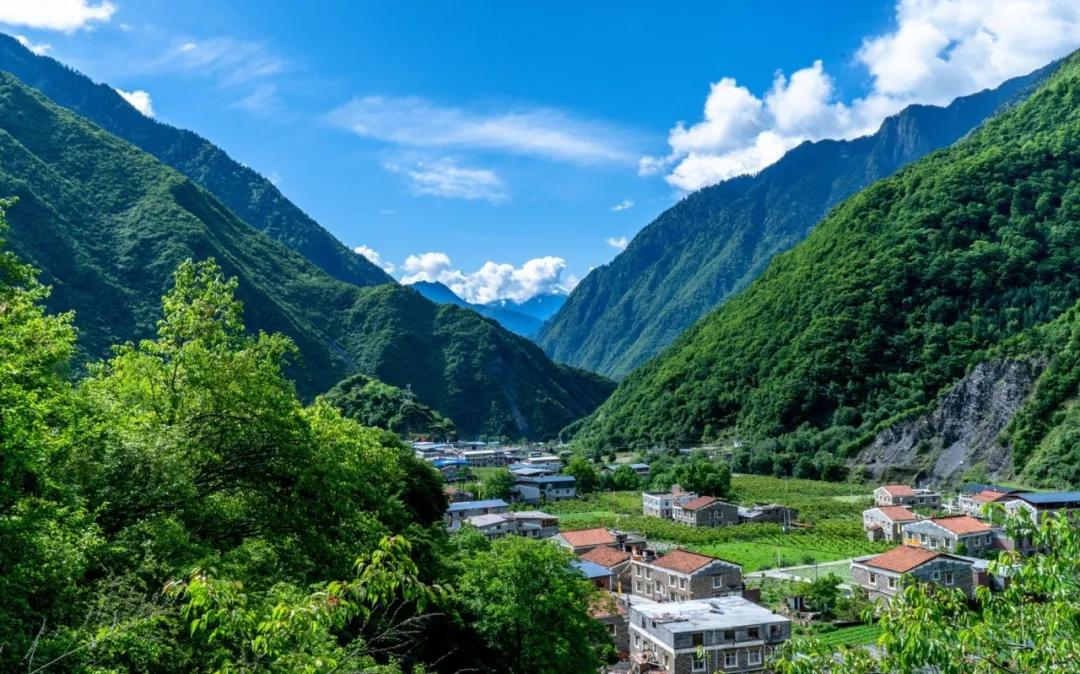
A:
[444,178]
[623,205]
[40,49]
[231,62]
[493,281]
[374,258]
[937,51]
[62,15]
[619,243]
[543,132]
[138,99]
[263,99]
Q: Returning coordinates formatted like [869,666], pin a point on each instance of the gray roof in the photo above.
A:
[591,569]
[706,614]
[474,505]
[1052,498]
[548,479]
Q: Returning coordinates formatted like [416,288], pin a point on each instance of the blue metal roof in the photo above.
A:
[471,505]
[1048,498]
[548,479]
[439,463]
[591,569]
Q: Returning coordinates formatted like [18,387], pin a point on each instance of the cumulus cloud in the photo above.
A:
[138,99]
[40,49]
[444,178]
[623,205]
[938,50]
[544,132]
[374,258]
[62,15]
[493,281]
[619,243]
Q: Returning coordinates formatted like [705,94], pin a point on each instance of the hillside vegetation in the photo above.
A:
[889,300]
[107,224]
[714,242]
[370,402]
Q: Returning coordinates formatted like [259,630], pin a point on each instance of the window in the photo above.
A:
[729,635]
[892,583]
[949,578]
[643,622]
[697,664]
[697,639]
[922,538]
[673,581]
[753,633]
[637,570]
[717,582]
[754,657]
[682,583]
[731,660]
[873,579]
[936,575]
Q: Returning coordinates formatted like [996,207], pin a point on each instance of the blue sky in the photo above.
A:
[489,134]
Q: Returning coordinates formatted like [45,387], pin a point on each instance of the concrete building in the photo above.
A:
[486,458]
[526,523]
[545,488]
[612,612]
[705,511]
[884,523]
[660,503]
[961,534]
[974,505]
[548,461]
[1038,505]
[903,495]
[583,540]
[722,634]
[883,576]
[614,560]
[457,513]
[768,512]
[681,575]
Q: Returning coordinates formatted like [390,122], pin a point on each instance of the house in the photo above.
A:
[536,524]
[548,461]
[485,458]
[900,494]
[882,575]
[1038,505]
[681,575]
[705,511]
[457,513]
[586,539]
[601,577]
[614,560]
[640,469]
[519,470]
[660,503]
[611,612]
[885,522]
[722,634]
[974,504]
[960,534]
[545,488]
[768,512]
[455,495]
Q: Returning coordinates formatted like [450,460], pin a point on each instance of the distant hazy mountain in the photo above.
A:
[108,223]
[514,321]
[717,240]
[246,193]
[541,307]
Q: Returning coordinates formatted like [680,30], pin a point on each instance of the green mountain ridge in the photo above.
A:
[107,224]
[372,403]
[715,241]
[890,300]
[249,195]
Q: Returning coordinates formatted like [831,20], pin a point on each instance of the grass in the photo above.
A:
[856,635]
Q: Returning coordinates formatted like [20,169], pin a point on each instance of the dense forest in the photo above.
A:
[107,224]
[890,299]
[370,402]
[179,509]
[715,241]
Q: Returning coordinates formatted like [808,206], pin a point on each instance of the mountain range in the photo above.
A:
[505,314]
[967,256]
[715,241]
[107,223]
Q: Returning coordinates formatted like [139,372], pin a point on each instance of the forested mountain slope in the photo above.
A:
[246,193]
[887,303]
[372,403]
[108,224]
[712,243]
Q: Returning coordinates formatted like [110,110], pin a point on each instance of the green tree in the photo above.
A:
[497,484]
[823,594]
[531,608]
[704,477]
[585,474]
[1033,625]
[624,478]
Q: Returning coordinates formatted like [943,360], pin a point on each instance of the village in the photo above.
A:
[689,582]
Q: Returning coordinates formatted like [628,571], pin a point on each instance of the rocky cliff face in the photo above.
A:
[960,433]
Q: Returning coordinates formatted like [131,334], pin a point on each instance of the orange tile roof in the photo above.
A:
[606,557]
[988,496]
[964,524]
[898,513]
[683,561]
[902,559]
[587,537]
[699,502]
[899,490]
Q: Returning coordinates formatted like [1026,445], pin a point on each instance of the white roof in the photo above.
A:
[480,521]
[706,614]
